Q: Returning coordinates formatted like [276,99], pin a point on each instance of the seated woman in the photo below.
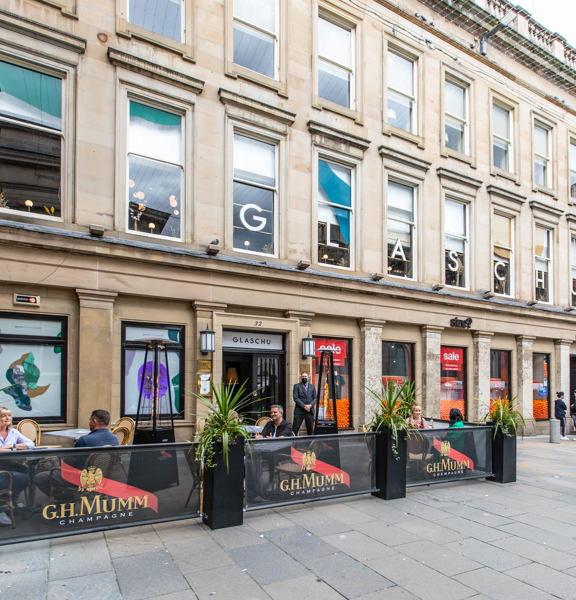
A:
[456,418]
[416,420]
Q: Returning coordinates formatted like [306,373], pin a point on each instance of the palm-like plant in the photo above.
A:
[222,425]
[505,417]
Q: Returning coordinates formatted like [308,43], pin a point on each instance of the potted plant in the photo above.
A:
[507,422]
[394,401]
[220,450]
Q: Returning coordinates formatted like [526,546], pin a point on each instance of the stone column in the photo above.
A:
[431,340]
[95,352]
[370,364]
[562,368]
[479,403]
[524,346]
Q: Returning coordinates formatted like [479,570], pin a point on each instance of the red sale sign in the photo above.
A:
[337,347]
[452,359]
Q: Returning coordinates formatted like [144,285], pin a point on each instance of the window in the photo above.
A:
[502,258]
[30,141]
[335,63]
[542,264]
[573,269]
[540,387]
[334,213]
[499,374]
[455,243]
[397,362]
[256,36]
[400,230]
[452,381]
[33,362]
[572,159]
[456,116]
[155,171]
[136,376]
[401,92]
[501,137]
[255,192]
[541,156]
[163,17]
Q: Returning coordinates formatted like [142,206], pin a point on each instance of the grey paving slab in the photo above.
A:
[149,574]
[439,558]
[391,535]
[308,587]
[231,584]
[487,554]
[236,537]
[348,576]
[135,540]
[81,555]
[22,558]
[476,515]
[24,586]
[537,552]
[267,563]
[300,543]
[359,546]
[530,532]
[545,578]
[348,512]
[98,585]
[184,595]
[317,522]
[267,520]
[495,584]
[430,531]
[467,528]
[197,554]
[393,593]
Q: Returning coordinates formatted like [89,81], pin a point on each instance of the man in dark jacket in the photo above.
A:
[560,413]
[278,426]
[304,394]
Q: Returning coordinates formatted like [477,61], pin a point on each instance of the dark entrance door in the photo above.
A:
[264,374]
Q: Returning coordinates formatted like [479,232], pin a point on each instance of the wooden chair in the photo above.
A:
[262,421]
[129,424]
[6,500]
[123,434]
[30,429]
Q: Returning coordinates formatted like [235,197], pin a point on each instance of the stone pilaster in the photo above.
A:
[562,368]
[479,403]
[304,331]
[95,356]
[431,341]
[525,370]
[370,364]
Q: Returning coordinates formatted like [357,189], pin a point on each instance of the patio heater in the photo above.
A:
[326,421]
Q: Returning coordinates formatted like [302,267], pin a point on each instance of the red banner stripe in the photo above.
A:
[321,467]
[109,486]
[454,454]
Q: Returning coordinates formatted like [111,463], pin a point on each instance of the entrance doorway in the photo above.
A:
[264,373]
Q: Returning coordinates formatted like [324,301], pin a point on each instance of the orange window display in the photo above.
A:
[452,381]
[540,386]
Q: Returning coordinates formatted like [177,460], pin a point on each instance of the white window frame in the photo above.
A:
[464,239]
[413,99]
[411,224]
[547,261]
[506,141]
[547,158]
[572,169]
[511,265]
[273,141]
[464,120]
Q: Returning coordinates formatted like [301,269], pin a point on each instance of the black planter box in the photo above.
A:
[224,489]
[390,468]
[503,458]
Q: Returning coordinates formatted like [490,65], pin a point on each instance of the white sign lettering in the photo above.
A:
[453,262]
[255,219]
[398,251]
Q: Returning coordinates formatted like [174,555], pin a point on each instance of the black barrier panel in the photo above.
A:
[68,491]
[437,455]
[298,469]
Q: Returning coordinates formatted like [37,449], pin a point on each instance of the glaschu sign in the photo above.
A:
[463,323]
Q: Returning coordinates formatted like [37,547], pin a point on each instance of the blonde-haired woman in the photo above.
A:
[416,420]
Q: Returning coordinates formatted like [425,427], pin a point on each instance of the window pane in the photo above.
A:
[541,141]
[401,197]
[253,218]
[335,183]
[501,231]
[334,43]
[137,333]
[454,131]
[254,160]
[154,196]
[163,17]
[542,238]
[400,111]
[396,361]
[261,13]
[333,83]
[501,122]
[500,152]
[155,133]
[455,100]
[400,74]
[455,218]
[253,50]
[452,381]
[30,96]
[540,393]
[499,374]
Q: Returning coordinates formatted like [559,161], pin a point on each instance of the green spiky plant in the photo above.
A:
[505,417]
[222,423]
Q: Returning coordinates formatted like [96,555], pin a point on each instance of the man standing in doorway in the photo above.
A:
[560,413]
[304,394]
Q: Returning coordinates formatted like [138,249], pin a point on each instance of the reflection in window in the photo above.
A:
[155,171]
[397,362]
[335,63]
[400,229]
[499,374]
[542,260]
[452,380]
[540,386]
[401,97]
[334,214]
[456,243]
[254,195]
[456,117]
[502,259]
[163,17]
[256,35]
[30,141]
[501,137]
[541,156]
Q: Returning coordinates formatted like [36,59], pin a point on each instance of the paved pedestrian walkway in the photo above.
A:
[471,539]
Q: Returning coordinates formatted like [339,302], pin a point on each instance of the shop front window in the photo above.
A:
[136,376]
[452,380]
[397,362]
[33,366]
[340,349]
[540,387]
[499,375]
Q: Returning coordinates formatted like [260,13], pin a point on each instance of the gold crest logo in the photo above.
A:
[445,448]
[308,460]
[90,479]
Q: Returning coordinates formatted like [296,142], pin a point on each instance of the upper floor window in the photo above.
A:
[572,163]
[163,17]
[400,230]
[501,137]
[335,63]
[455,243]
[255,192]
[335,213]
[401,92]
[573,270]
[456,116]
[155,171]
[502,243]
[256,36]
[541,156]
[30,140]
[542,264]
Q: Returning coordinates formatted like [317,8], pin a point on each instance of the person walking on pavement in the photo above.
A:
[560,413]
[304,394]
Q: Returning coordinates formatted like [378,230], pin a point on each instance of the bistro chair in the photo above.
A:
[123,434]
[6,499]
[129,424]
[30,429]
[262,421]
